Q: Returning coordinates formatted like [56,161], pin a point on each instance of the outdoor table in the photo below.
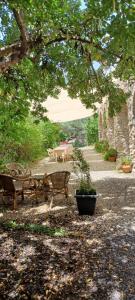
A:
[40,184]
[62,151]
[38,179]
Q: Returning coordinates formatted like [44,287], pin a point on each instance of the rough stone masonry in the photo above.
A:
[119,130]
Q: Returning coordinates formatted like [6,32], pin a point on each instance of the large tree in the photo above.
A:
[78,45]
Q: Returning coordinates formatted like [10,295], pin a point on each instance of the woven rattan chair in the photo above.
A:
[18,172]
[11,188]
[57,183]
[16,169]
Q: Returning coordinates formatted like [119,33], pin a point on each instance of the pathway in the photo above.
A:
[95,160]
[114,188]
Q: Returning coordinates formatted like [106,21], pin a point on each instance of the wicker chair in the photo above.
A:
[11,188]
[16,170]
[57,183]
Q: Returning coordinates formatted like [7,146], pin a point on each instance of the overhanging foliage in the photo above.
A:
[49,45]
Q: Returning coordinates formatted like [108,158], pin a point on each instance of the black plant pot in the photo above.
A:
[86,202]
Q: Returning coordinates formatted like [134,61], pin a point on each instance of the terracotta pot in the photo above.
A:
[112,158]
[126,168]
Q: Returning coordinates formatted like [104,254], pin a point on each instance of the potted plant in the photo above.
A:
[85,194]
[111,155]
[126,164]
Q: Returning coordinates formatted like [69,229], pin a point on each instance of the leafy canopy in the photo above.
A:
[49,45]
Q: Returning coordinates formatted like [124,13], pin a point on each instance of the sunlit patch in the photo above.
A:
[79,223]
[66,278]
[37,210]
[128,208]
[32,237]
[27,251]
[59,208]
[7,247]
[23,257]
[46,223]
[116,295]
[3,235]
[49,243]
[60,246]
[1,215]
[20,265]
[94,241]
[133,227]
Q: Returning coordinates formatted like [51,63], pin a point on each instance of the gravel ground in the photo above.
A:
[93,260]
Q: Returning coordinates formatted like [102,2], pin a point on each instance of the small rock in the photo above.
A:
[94,289]
[124,260]
[116,295]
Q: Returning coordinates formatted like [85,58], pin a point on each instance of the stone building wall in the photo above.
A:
[131,125]
[119,130]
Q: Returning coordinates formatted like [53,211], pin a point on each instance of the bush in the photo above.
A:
[51,134]
[92,129]
[101,146]
[110,153]
[78,144]
[26,141]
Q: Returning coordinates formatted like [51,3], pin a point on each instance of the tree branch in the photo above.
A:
[20,48]
[75,37]
[10,49]
[6,64]
[20,22]
[94,72]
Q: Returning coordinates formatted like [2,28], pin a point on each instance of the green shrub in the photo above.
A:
[101,146]
[110,153]
[35,228]
[78,144]
[92,129]
[51,134]
[26,141]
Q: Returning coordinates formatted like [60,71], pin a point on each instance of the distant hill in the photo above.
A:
[76,129]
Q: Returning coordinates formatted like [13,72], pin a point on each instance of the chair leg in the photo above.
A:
[66,192]
[14,201]
[2,197]
[46,196]
[22,195]
[36,194]
[51,203]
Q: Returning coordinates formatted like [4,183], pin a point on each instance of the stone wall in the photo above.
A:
[131,125]
[119,130]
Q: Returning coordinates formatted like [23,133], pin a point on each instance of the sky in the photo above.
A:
[83,5]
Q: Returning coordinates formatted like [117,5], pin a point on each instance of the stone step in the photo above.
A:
[101,165]
[91,152]
[93,157]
